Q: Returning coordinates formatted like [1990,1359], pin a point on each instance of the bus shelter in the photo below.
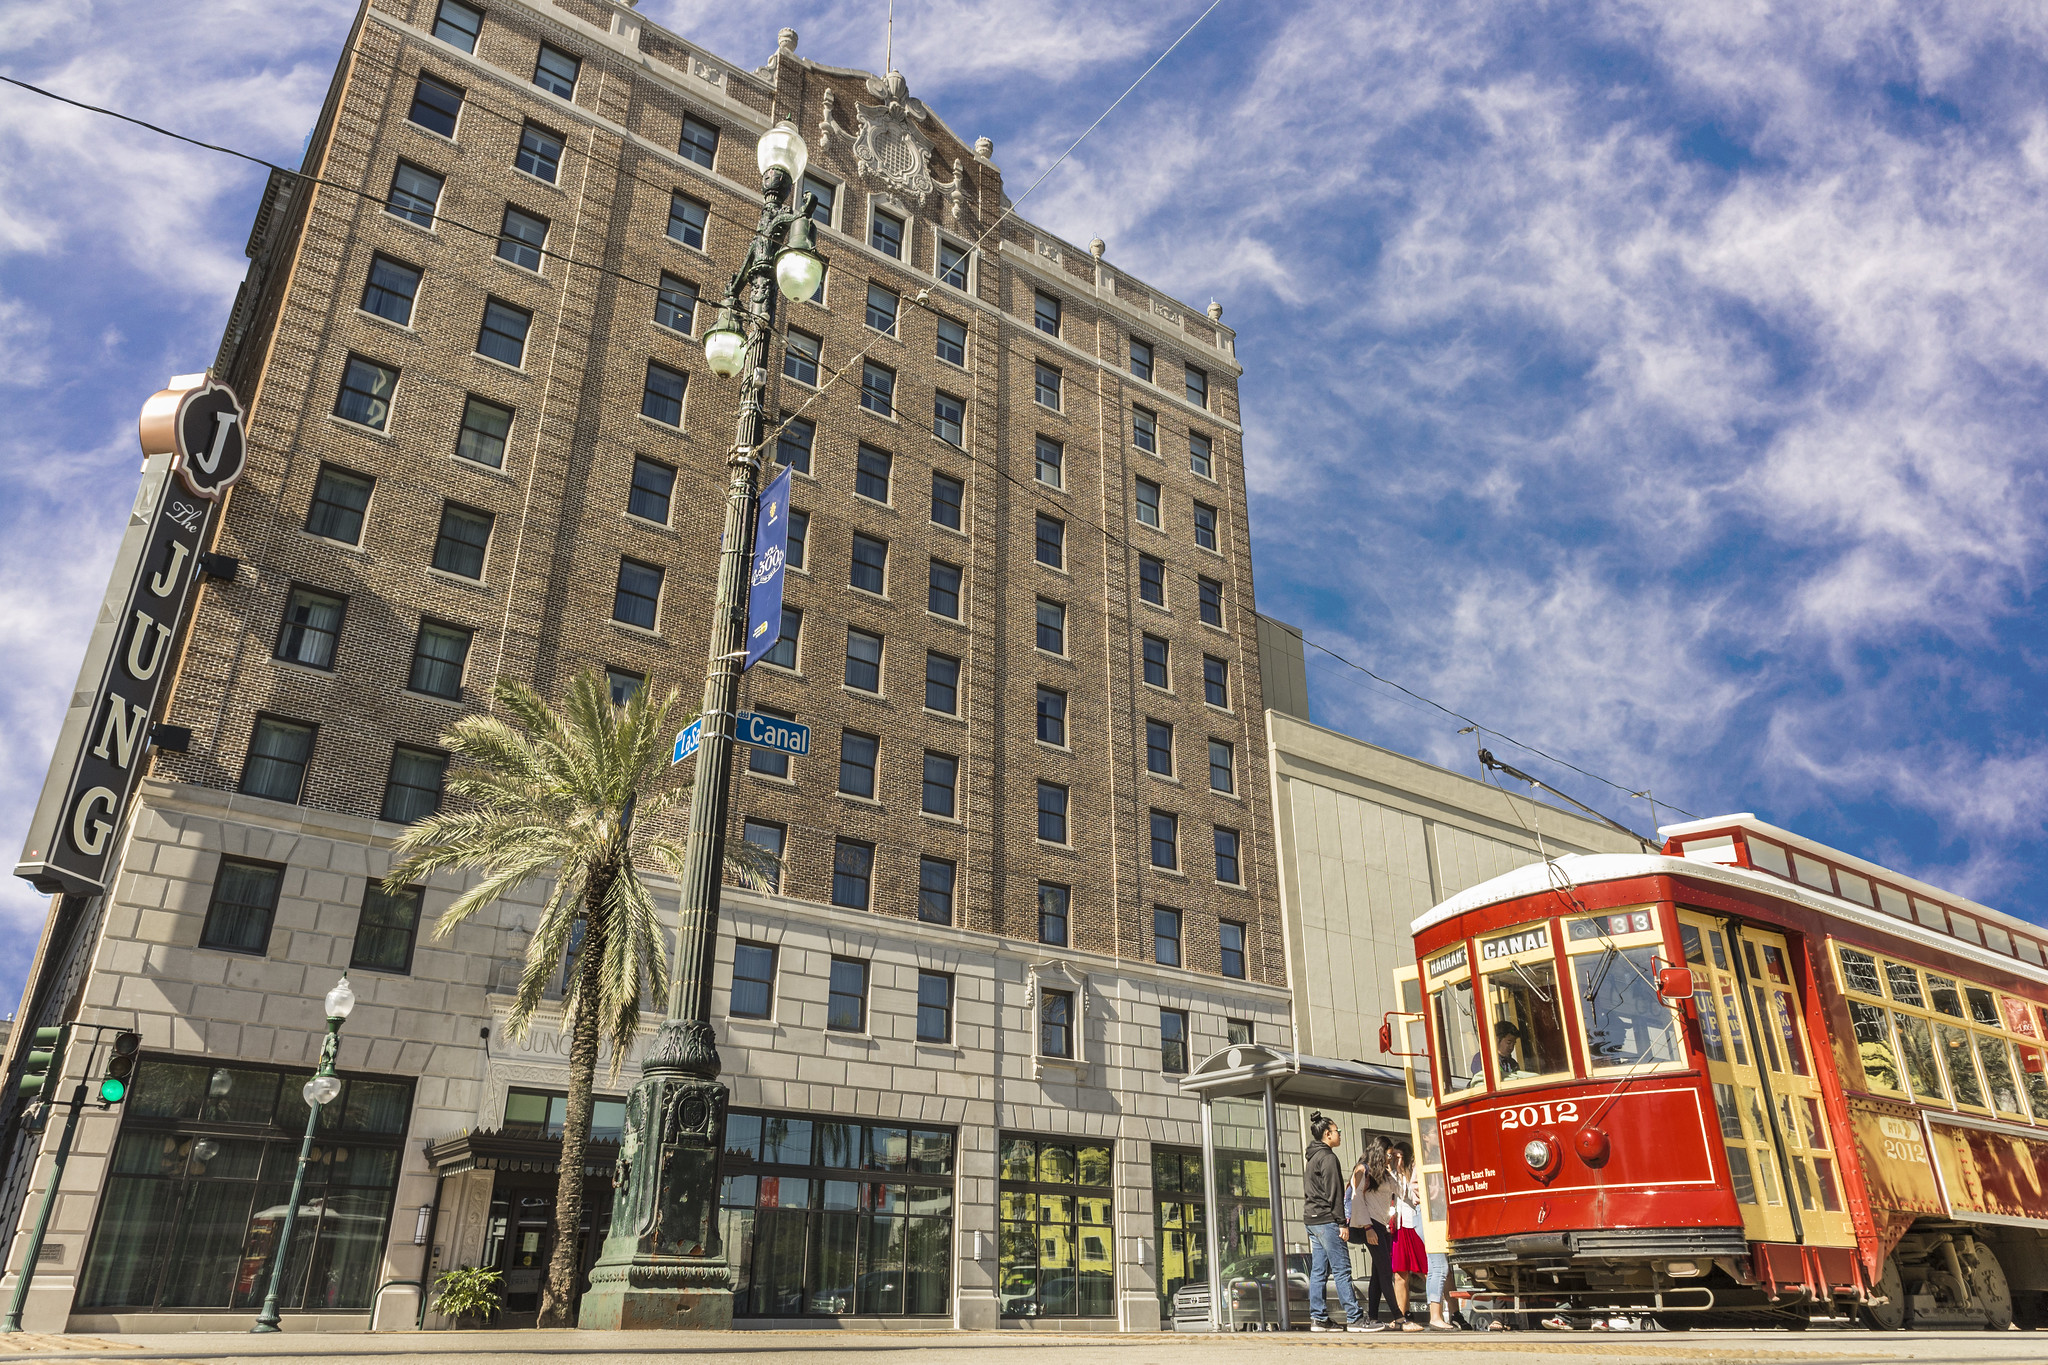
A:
[1275,1077]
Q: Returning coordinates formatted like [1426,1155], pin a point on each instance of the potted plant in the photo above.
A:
[469,1294]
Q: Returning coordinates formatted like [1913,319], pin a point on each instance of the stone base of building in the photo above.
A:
[681,1294]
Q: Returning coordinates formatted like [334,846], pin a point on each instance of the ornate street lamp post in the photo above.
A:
[319,1092]
[662,1264]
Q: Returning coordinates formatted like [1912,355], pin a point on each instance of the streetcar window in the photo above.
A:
[1998,940]
[1814,874]
[1816,1127]
[2018,1017]
[1874,1044]
[1962,1067]
[1983,1009]
[1859,973]
[1805,1183]
[1457,1035]
[1731,1115]
[1720,951]
[1774,963]
[1738,1175]
[1947,999]
[1735,1029]
[1528,1025]
[1824,1172]
[1893,902]
[1710,1025]
[1626,1023]
[1930,914]
[1415,1036]
[1768,856]
[1689,939]
[1853,887]
[1905,984]
[1916,1048]
[1787,1015]
[1998,1077]
[1767,1043]
[1963,927]
[2035,1073]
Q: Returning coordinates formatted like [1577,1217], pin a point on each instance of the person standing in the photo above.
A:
[1323,1212]
[1372,1202]
[1411,1254]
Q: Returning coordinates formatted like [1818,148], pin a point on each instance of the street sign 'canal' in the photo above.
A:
[772,732]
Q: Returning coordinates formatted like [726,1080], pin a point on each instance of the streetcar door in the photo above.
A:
[1411,1035]
[1738,1085]
[1795,1088]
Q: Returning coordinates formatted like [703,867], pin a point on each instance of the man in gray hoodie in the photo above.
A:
[1323,1185]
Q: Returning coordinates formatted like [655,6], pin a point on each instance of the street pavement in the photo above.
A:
[1821,1345]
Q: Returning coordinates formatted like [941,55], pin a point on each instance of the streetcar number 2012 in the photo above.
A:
[1530,1115]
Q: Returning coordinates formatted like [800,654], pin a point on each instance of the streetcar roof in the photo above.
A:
[1584,869]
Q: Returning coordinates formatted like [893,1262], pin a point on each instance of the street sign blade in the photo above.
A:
[687,740]
[773,732]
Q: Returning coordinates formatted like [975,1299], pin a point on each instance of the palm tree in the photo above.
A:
[557,793]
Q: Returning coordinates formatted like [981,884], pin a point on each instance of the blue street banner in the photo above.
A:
[771,549]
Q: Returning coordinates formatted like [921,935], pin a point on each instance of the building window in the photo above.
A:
[952,265]
[1055,902]
[278,753]
[882,308]
[244,900]
[863,660]
[1056,1024]
[457,23]
[934,1007]
[886,234]
[339,501]
[761,759]
[653,485]
[1148,502]
[1222,767]
[686,220]
[1230,939]
[935,890]
[485,426]
[1216,681]
[1060,1264]
[941,780]
[948,493]
[438,655]
[1145,431]
[1205,526]
[942,684]
[793,442]
[1227,870]
[1052,627]
[623,684]
[1173,1042]
[311,628]
[502,336]
[846,1007]
[555,71]
[1198,387]
[857,763]
[1052,812]
[1141,359]
[770,840]
[541,1114]
[871,473]
[1152,579]
[365,397]
[943,598]
[853,868]
[1165,839]
[1052,716]
[870,565]
[800,357]
[1048,386]
[675,304]
[638,595]
[878,388]
[1212,601]
[385,930]
[1165,936]
[952,342]
[390,290]
[1159,747]
[1237,1032]
[828,196]
[460,543]
[1051,462]
[1198,455]
[784,653]
[414,194]
[1051,549]
[753,981]
[799,536]
[662,397]
[699,143]
[1045,313]
[949,418]
[1156,655]
[540,153]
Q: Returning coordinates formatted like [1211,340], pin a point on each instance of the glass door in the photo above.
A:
[1795,1088]
[1732,1069]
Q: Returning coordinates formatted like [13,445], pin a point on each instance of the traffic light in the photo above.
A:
[120,1067]
[35,1073]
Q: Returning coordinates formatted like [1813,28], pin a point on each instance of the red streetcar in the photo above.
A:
[1747,1080]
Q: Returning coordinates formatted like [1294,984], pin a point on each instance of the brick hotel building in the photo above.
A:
[1029,863]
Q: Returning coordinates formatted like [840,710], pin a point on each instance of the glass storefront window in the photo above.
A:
[829,1218]
[201,1177]
[1055,1248]
[544,1114]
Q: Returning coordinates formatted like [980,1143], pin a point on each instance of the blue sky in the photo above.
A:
[1661,385]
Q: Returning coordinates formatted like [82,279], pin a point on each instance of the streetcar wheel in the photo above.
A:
[1676,1322]
[1890,1315]
[1988,1287]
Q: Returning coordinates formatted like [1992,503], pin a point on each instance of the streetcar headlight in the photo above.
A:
[1536,1153]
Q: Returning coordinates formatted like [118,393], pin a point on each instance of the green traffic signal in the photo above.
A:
[35,1072]
[113,1090]
[121,1059]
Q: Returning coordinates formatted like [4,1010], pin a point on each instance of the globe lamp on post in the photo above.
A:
[322,1090]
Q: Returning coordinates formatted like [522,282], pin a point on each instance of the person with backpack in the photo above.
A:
[1323,1184]
[1372,1202]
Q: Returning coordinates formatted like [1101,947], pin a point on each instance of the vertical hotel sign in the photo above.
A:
[193,451]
